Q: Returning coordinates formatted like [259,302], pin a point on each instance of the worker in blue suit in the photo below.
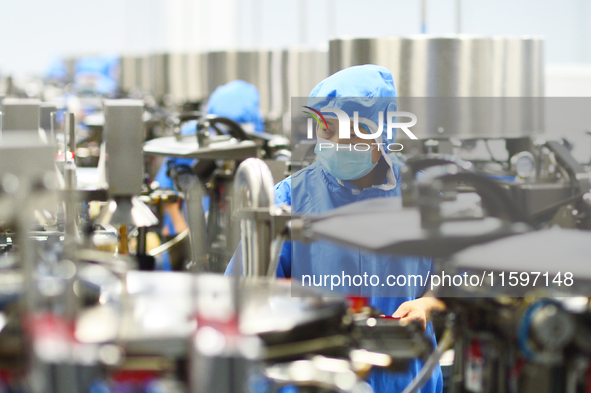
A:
[341,176]
[236,100]
[97,74]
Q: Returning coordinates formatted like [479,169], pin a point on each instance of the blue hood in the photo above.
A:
[368,89]
[57,71]
[239,101]
[104,68]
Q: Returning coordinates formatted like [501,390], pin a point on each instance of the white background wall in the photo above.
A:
[35,31]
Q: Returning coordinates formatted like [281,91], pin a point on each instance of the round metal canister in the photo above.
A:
[460,85]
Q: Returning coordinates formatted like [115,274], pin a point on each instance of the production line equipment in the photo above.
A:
[216,149]
[511,332]
[77,319]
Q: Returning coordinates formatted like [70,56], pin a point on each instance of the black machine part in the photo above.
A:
[373,231]
[494,198]
[402,342]
[543,201]
[232,127]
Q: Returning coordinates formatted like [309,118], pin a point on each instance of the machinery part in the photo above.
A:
[232,127]
[414,165]
[145,261]
[253,188]
[401,342]
[276,248]
[127,211]
[420,163]
[21,115]
[494,197]
[533,252]
[425,374]
[169,244]
[28,182]
[328,373]
[124,135]
[182,175]
[188,147]
[197,230]
[188,116]
[71,131]
[544,202]
[580,178]
[302,156]
[408,237]
[524,164]
[547,325]
[119,265]
[46,119]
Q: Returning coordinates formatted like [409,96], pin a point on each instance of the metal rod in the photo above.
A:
[141,240]
[169,244]
[72,133]
[276,248]
[123,246]
[425,374]
[27,255]
[197,230]
[53,128]
[65,132]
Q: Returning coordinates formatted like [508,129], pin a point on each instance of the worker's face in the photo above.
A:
[332,134]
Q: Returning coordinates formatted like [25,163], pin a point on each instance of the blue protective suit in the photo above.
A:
[313,190]
[57,71]
[103,68]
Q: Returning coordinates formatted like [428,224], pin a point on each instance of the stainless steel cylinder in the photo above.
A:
[306,68]
[177,76]
[447,81]
[254,67]
[169,76]
[220,68]
[159,75]
[146,82]
[450,66]
[343,53]
[278,86]
[130,76]
[196,82]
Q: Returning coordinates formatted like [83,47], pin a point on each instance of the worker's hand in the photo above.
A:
[418,310]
